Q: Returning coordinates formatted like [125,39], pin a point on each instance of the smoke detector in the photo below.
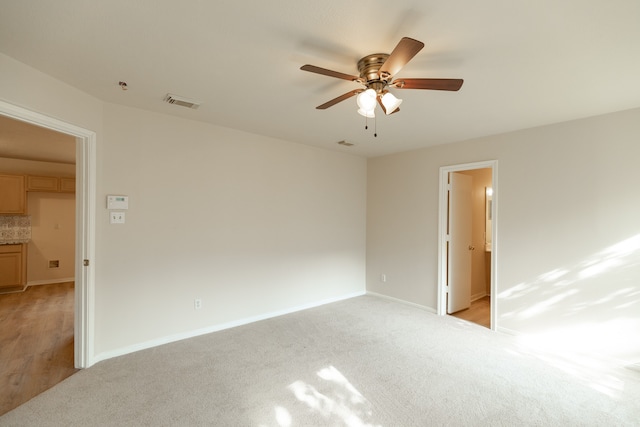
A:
[181,101]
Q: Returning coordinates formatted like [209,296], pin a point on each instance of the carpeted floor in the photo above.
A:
[366,361]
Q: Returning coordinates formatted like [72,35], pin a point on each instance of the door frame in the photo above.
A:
[84,305]
[442,233]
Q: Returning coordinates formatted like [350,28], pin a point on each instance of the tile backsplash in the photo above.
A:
[15,229]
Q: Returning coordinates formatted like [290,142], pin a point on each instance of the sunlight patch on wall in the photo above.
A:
[583,318]
[613,259]
[542,306]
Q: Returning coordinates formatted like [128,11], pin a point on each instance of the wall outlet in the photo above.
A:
[197,304]
[383,278]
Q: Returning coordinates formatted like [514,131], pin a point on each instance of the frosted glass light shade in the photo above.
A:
[370,114]
[390,102]
[367,100]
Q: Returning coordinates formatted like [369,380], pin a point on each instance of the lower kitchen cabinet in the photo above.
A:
[13,267]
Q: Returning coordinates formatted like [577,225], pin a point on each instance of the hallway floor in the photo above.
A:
[479,312]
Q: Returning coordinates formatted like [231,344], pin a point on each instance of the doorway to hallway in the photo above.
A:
[467,242]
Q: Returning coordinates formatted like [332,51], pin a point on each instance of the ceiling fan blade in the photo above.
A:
[330,73]
[341,98]
[433,84]
[402,53]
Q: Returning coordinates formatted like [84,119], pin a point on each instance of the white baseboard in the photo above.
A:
[51,281]
[216,328]
[423,307]
[478,296]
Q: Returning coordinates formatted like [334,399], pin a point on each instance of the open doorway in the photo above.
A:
[38,313]
[84,227]
[467,242]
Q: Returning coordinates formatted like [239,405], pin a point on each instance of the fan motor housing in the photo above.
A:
[370,65]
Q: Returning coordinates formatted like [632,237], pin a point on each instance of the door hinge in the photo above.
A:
[85,263]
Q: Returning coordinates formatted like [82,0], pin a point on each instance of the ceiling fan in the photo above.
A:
[377,72]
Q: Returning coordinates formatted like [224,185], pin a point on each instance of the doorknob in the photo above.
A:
[472,248]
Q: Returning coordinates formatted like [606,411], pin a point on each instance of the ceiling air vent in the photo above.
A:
[181,101]
[345,143]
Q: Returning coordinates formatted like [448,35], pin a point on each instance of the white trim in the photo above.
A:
[442,233]
[219,327]
[476,297]
[50,282]
[85,224]
[422,307]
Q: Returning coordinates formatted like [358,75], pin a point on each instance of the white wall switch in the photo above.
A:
[116,217]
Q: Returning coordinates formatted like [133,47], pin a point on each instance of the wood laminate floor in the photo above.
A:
[479,312]
[36,341]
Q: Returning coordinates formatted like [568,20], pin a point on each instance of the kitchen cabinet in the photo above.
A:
[42,183]
[13,199]
[67,185]
[13,267]
[51,184]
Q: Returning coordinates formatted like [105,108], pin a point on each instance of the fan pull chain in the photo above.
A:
[375,127]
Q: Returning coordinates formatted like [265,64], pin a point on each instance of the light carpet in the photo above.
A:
[365,361]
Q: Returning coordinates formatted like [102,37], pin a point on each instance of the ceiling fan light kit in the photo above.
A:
[367,100]
[377,72]
[370,114]
[390,103]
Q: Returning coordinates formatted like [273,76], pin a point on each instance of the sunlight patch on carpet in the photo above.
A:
[587,351]
[334,398]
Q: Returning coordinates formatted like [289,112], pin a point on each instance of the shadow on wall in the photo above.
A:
[587,315]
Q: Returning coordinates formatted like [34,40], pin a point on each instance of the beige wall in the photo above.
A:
[52,237]
[568,236]
[251,225]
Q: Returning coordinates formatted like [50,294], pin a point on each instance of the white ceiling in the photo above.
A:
[525,64]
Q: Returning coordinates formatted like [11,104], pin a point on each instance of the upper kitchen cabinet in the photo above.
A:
[51,184]
[13,199]
[42,183]
[67,185]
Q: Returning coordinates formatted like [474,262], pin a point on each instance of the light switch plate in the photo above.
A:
[116,217]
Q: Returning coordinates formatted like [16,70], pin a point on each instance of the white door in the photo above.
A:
[460,243]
